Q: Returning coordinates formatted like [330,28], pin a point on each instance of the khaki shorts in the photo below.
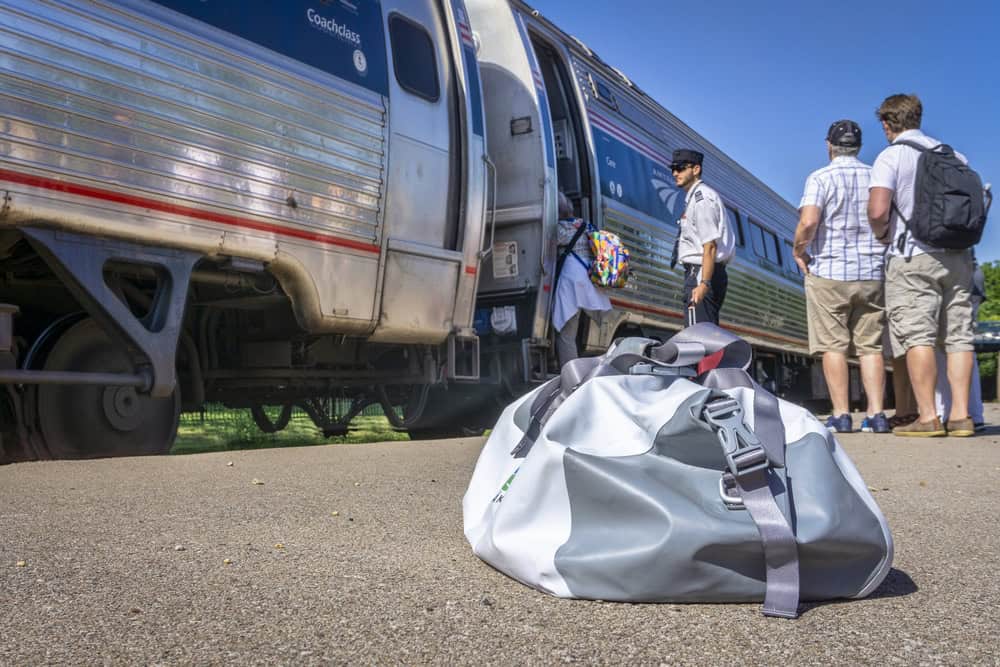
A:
[845,316]
[927,301]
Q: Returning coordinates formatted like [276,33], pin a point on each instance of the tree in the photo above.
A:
[990,310]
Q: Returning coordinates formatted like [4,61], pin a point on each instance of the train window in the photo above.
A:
[765,243]
[734,218]
[777,249]
[605,95]
[757,239]
[413,58]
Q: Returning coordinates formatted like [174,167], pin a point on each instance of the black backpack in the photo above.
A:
[949,210]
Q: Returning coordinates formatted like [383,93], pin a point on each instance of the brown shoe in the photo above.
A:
[961,428]
[919,429]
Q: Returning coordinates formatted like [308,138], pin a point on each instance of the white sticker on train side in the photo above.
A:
[504,259]
[360,62]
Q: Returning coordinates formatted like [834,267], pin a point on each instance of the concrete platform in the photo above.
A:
[355,554]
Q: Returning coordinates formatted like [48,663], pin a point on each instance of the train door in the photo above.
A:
[422,257]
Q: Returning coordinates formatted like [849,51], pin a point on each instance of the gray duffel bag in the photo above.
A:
[664,473]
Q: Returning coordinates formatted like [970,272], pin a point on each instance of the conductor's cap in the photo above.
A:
[685,156]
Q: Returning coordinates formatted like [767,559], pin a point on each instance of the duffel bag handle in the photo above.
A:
[750,468]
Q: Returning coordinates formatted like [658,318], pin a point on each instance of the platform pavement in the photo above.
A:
[355,554]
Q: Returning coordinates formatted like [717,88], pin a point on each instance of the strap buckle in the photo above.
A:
[745,455]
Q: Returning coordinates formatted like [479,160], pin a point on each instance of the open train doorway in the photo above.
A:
[572,167]
[571,152]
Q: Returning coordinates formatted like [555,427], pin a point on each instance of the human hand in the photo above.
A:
[802,260]
[699,293]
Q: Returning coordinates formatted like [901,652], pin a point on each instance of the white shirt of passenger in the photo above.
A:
[895,168]
[844,247]
[704,220]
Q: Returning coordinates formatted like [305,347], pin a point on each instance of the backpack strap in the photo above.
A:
[913,144]
[569,249]
[901,243]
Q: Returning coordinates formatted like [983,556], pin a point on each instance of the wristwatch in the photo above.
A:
[705,282]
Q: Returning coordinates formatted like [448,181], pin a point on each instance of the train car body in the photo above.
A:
[310,202]
[606,144]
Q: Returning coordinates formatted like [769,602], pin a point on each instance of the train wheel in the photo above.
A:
[90,421]
[262,417]
[457,413]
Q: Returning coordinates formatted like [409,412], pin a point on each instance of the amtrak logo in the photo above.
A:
[667,192]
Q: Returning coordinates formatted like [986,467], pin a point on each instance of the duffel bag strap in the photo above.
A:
[626,356]
[750,467]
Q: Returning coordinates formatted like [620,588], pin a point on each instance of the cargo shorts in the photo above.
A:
[928,302]
[845,316]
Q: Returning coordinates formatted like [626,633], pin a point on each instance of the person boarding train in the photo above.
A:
[574,290]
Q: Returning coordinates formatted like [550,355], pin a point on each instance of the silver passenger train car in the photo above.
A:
[327,204]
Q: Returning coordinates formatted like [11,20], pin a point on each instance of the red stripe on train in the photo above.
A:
[628,305]
[186,211]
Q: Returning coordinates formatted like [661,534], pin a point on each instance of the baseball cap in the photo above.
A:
[844,133]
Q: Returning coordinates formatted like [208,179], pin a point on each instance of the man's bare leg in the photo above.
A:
[873,380]
[835,372]
[922,367]
[901,387]
[960,378]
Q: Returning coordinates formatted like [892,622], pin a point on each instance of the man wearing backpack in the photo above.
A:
[927,206]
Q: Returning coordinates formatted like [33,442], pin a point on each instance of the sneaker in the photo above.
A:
[841,424]
[961,428]
[876,424]
[980,426]
[919,429]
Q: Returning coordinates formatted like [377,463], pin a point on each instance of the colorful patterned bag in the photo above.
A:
[611,259]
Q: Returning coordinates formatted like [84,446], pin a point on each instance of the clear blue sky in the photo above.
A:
[764,80]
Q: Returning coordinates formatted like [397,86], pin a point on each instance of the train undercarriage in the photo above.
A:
[108,342]
[104,353]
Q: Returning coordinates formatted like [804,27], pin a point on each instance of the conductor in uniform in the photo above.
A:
[705,241]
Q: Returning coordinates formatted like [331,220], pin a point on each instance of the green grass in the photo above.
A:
[220,430]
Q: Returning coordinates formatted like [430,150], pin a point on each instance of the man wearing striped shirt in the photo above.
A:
[843,266]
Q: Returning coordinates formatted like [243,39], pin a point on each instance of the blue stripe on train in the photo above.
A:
[543,105]
[632,178]
[343,38]
[472,74]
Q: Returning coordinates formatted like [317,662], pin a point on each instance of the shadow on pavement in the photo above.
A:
[896,584]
